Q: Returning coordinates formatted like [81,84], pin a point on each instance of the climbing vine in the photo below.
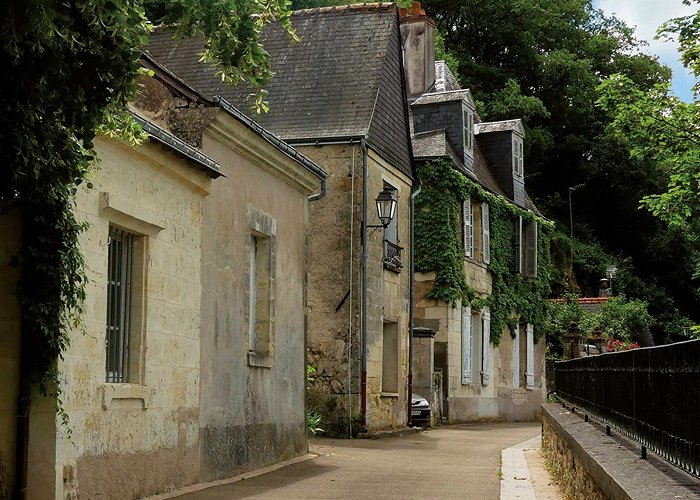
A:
[439,249]
[69,70]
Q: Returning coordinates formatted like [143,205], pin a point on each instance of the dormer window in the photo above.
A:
[468,122]
[518,157]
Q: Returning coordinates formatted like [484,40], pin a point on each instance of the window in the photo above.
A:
[518,157]
[392,250]
[530,357]
[516,358]
[390,358]
[124,306]
[466,345]
[485,346]
[526,247]
[468,128]
[468,227]
[485,233]
[259,319]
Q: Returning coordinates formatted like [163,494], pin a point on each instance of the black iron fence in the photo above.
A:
[651,395]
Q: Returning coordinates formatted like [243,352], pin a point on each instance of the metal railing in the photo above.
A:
[652,395]
[392,256]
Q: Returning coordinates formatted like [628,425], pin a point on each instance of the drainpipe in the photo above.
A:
[321,193]
[411,271]
[363,288]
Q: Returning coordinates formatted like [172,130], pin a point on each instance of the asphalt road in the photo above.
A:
[451,462]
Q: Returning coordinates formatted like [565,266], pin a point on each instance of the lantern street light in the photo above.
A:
[386,207]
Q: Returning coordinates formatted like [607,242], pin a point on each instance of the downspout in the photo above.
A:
[321,193]
[363,288]
[411,269]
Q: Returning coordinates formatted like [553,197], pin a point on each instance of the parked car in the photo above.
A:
[420,410]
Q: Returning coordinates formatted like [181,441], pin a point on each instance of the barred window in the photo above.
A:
[119,299]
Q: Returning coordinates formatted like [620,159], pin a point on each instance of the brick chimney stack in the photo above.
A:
[418,43]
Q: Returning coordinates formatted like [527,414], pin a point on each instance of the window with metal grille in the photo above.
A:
[119,295]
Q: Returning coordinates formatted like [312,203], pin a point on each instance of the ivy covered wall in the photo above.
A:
[439,249]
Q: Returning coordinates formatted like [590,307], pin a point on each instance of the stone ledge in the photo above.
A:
[390,433]
[614,463]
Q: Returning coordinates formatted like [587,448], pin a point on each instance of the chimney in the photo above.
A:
[418,44]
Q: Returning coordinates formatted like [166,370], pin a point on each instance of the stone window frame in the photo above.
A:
[145,226]
[260,225]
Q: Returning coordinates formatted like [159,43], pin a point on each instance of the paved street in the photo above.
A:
[451,462]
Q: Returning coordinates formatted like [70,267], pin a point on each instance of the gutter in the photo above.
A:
[411,295]
[278,143]
[205,163]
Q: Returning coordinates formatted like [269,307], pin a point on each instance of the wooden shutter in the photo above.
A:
[485,345]
[516,358]
[466,345]
[468,218]
[521,158]
[516,155]
[519,245]
[531,253]
[485,233]
[530,369]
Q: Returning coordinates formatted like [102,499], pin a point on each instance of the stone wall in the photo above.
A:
[334,292]
[566,468]
[499,400]
[140,438]
[252,397]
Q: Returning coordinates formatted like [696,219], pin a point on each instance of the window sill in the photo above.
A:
[390,394]
[259,360]
[137,392]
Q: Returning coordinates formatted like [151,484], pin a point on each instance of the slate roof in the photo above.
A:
[343,79]
[444,79]
[438,97]
[502,126]
[432,144]
[173,80]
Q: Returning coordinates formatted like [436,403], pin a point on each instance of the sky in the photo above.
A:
[647,16]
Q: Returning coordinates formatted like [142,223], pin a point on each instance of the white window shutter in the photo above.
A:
[530,369]
[466,345]
[531,254]
[516,358]
[516,155]
[485,346]
[521,158]
[468,218]
[485,232]
[519,245]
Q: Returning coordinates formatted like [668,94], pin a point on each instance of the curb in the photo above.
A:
[193,488]
[516,482]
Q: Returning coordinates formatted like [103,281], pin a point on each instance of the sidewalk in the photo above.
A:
[450,462]
[523,473]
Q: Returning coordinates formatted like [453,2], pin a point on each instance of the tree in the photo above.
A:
[70,69]
[542,60]
[664,131]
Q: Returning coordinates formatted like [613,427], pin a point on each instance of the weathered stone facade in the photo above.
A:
[135,439]
[252,402]
[334,293]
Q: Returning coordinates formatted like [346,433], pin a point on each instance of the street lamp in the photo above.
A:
[610,272]
[386,207]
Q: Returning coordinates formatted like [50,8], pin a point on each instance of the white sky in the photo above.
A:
[647,16]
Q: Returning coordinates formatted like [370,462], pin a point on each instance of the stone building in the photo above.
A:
[480,380]
[337,96]
[191,363]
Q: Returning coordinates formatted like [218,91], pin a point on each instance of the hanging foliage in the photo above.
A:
[440,250]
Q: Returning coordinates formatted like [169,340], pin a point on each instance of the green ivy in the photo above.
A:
[440,250]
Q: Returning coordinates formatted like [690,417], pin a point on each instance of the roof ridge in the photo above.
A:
[356,7]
